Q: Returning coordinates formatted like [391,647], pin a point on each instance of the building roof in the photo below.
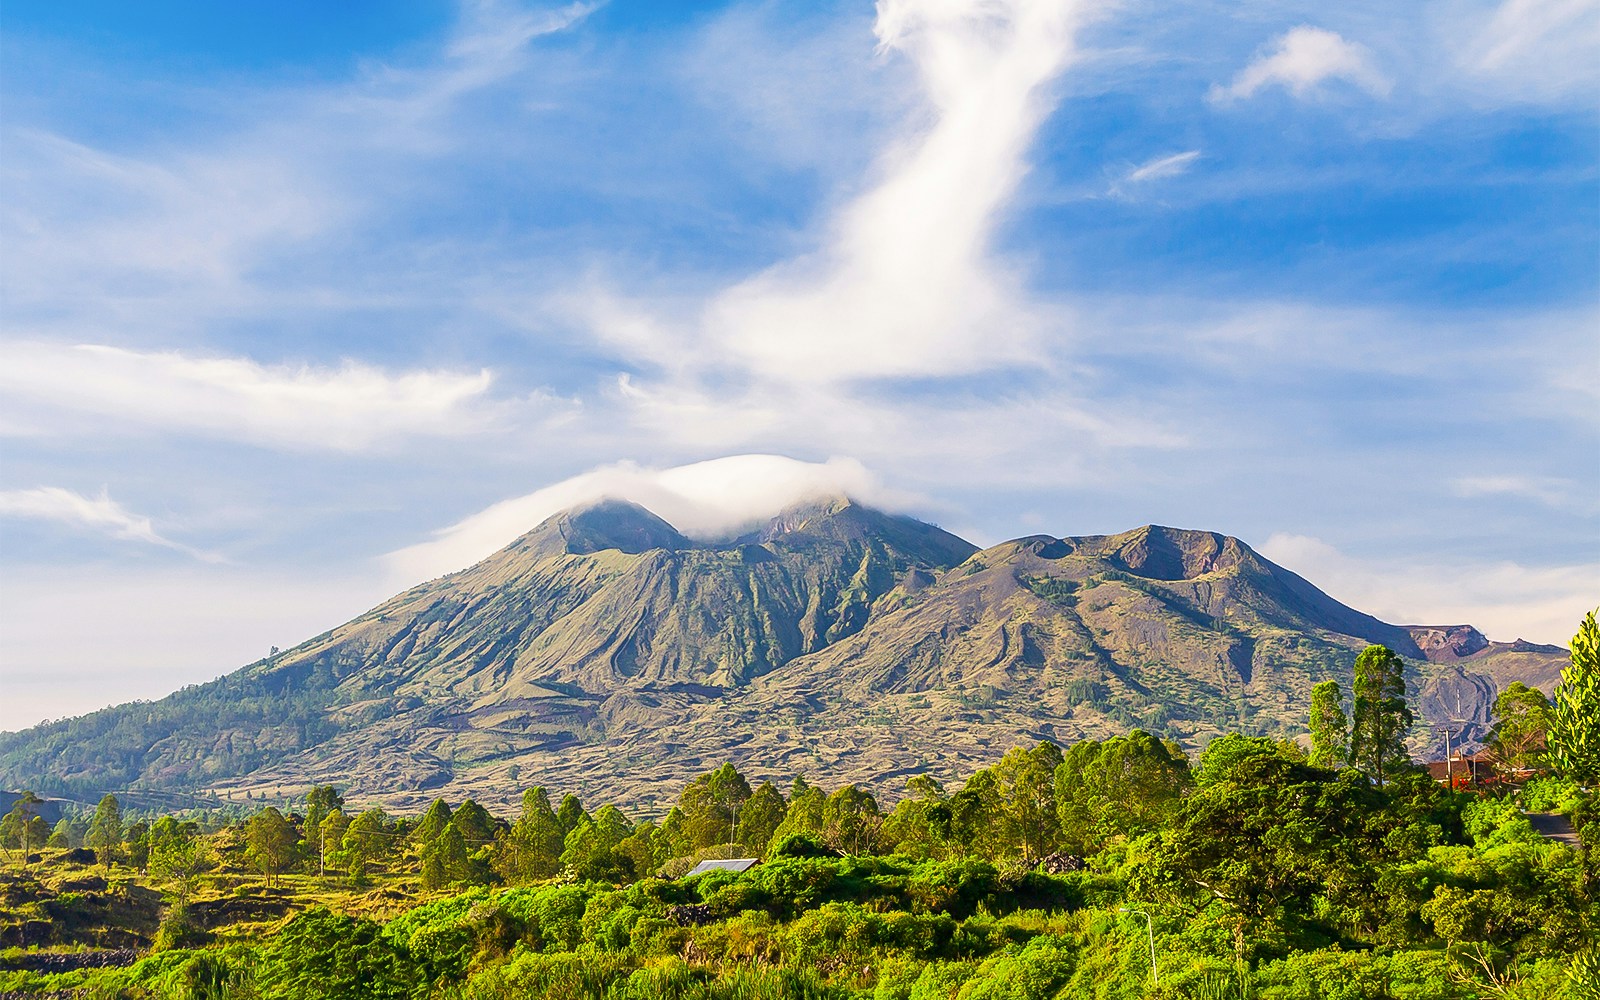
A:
[723,865]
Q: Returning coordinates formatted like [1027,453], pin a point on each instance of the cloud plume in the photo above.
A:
[704,500]
[905,281]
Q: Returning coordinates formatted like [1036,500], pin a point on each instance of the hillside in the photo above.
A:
[606,653]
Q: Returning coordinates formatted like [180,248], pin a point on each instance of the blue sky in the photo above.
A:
[303,303]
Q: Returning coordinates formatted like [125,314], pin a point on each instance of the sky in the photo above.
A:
[304,303]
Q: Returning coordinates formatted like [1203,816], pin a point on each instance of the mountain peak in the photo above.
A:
[607,523]
[806,513]
[839,518]
[1158,552]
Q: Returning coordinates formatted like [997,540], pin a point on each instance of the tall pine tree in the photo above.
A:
[105,830]
[1379,715]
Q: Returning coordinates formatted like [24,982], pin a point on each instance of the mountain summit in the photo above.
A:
[606,652]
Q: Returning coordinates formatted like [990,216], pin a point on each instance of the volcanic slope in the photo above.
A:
[605,653]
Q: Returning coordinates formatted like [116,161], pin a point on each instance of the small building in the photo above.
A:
[1465,770]
[723,865]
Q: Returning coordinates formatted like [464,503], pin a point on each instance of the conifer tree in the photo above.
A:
[433,822]
[570,813]
[760,818]
[1574,736]
[1379,715]
[444,859]
[532,849]
[1330,728]
[105,830]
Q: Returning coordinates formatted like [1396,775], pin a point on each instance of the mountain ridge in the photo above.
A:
[606,652]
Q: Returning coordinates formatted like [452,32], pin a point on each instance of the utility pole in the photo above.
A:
[1151,932]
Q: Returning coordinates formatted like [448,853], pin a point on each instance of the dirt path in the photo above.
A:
[1554,826]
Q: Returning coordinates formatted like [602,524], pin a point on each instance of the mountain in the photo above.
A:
[606,653]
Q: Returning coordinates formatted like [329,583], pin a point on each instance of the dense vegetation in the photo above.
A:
[1262,870]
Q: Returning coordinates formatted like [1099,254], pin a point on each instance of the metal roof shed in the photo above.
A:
[723,865]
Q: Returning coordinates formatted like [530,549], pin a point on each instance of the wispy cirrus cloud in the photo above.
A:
[100,515]
[51,389]
[192,231]
[1548,491]
[1154,169]
[1163,166]
[1302,59]
[1527,49]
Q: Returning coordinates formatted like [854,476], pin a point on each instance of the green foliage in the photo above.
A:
[443,859]
[1330,728]
[1522,720]
[365,841]
[105,830]
[23,828]
[710,803]
[270,843]
[178,856]
[851,821]
[1025,799]
[919,826]
[1265,877]
[760,818]
[320,801]
[1339,975]
[532,850]
[1379,717]
[321,955]
[1574,735]
[433,823]
[1116,789]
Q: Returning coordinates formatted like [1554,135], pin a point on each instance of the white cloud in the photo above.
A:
[905,281]
[98,514]
[106,390]
[1163,166]
[1533,49]
[1547,490]
[1302,59]
[1504,599]
[704,500]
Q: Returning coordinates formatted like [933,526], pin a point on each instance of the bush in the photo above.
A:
[1336,975]
[1551,794]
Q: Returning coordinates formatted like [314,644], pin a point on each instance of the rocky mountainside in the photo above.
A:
[606,653]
